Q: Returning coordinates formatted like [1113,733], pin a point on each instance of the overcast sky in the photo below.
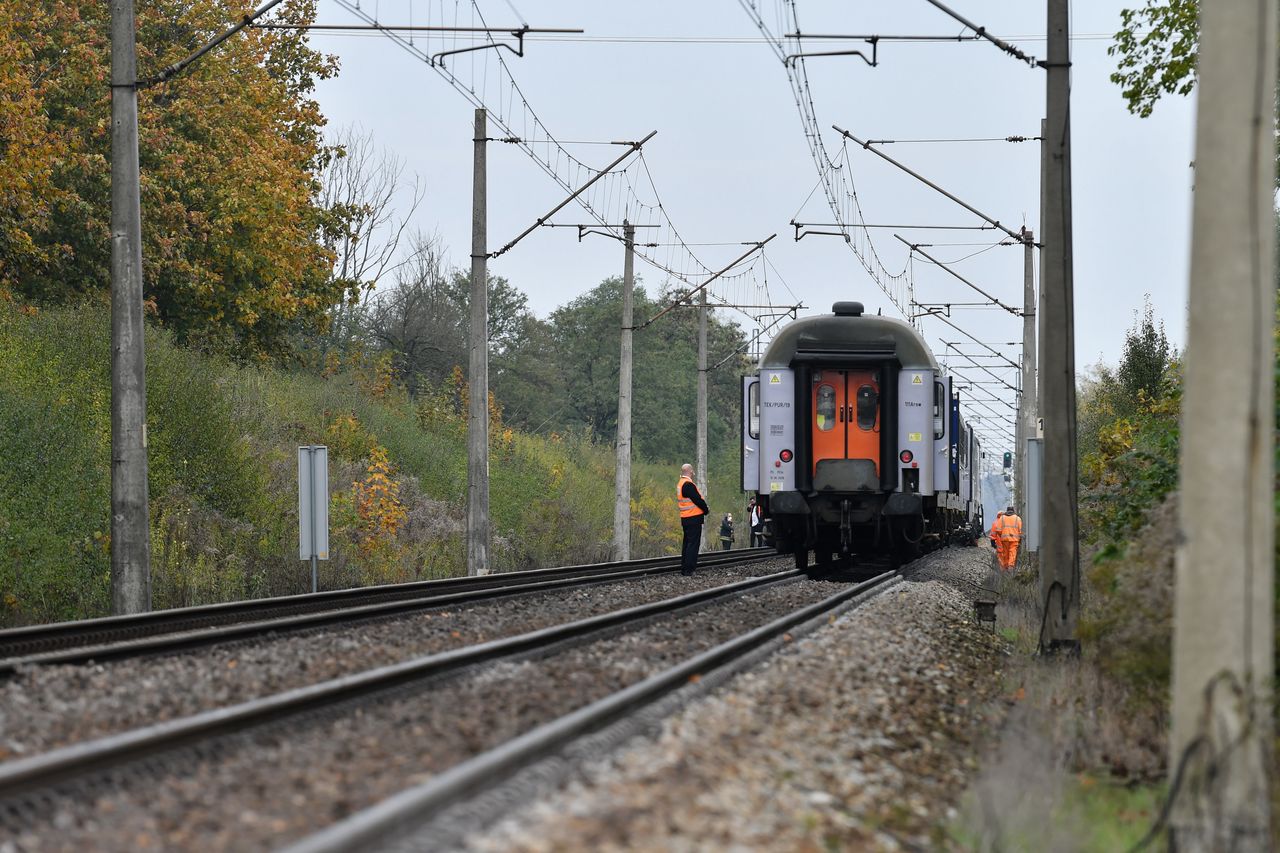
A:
[731,163]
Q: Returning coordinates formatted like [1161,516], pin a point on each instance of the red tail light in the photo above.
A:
[906,456]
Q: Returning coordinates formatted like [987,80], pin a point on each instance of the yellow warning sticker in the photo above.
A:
[913,436]
[775,379]
[917,379]
[775,487]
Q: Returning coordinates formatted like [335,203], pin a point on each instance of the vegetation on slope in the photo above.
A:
[222,441]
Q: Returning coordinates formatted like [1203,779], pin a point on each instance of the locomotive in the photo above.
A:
[854,442]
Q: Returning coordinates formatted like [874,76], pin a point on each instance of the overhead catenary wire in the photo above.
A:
[704,41]
[982,32]
[834,176]
[514,117]
[962,139]
[486,81]
[1015,235]
[915,247]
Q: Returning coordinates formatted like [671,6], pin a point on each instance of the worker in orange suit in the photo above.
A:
[1006,532]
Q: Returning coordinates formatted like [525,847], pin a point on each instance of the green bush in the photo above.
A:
[55,478]
[222,441]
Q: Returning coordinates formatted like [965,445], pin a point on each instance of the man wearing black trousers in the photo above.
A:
[692,511]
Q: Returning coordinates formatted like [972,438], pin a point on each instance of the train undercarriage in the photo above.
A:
[852,527]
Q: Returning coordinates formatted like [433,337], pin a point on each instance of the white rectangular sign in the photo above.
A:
[313,502]
[1035,495]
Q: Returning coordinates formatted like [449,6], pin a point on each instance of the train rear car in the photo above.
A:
[849,440]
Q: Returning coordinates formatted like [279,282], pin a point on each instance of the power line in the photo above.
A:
[962,139]
[834,178]
[982,33]
[695,41]
[515,118]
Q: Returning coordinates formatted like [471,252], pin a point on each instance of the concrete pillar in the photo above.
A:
[1223,632]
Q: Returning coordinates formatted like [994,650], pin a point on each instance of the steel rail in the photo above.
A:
[414,807]
[22,777]
[39,639]
[171,643]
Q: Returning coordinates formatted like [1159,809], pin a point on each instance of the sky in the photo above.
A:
[730,163]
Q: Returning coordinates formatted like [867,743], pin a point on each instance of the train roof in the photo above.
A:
[848,325]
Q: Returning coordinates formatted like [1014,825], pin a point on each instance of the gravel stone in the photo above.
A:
[43,708]
[859,736]
[262,790]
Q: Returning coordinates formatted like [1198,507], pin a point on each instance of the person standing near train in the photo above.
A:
[693,509]
[756,518]
[1006,533]
[726,532]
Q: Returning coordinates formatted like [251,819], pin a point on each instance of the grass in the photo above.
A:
[1079,761]
[1084,813]
[222,441]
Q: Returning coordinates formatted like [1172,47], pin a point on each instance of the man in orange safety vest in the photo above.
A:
[692,511]
[1006,533]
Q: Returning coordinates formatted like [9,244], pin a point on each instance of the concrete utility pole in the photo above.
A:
[700,463]
[622,475]
[1222,634]
[1027,414]
[1044,183]
[130,524]
[1060,552]
[478,377]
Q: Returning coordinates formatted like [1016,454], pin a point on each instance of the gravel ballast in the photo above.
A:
[43,708]
[260,791]
[860,736]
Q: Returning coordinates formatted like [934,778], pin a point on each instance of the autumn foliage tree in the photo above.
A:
[234,239]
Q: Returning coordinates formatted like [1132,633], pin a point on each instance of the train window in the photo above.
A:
[868,402]
[825,414]
[753,410]
[939,408]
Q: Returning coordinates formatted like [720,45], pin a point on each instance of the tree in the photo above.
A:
[1146,357]
[360,187]
[424,321]
[1111,396]
[508,310]
[588,340]
[527,380]
[232,233]
[417,320]
[28,146]
[1157,46]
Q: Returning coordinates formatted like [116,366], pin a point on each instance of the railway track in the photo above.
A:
[68,769]
[167,631]
[400,818]
[69,763]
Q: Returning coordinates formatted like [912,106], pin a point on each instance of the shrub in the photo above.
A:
[223,467]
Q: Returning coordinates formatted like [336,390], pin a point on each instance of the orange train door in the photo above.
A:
[846,416]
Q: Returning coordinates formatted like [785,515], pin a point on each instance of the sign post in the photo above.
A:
[313,506]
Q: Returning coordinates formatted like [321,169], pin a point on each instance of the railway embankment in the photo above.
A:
[1081,761]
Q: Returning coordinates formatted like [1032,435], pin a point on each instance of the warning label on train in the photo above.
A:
[775,379]
[917,379]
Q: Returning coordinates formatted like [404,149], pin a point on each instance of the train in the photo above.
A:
[855,442]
